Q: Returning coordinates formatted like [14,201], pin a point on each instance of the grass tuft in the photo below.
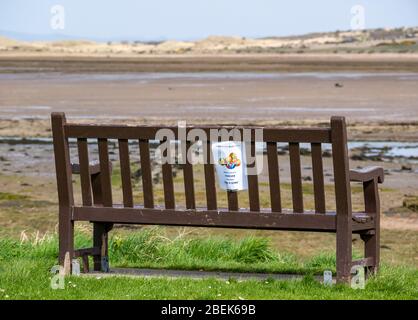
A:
[252,250]
[11,196]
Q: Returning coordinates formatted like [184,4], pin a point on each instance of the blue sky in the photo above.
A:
[193,19]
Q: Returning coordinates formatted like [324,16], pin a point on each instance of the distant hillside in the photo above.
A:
[398,40]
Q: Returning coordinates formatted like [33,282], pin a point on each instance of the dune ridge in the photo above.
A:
[399,40]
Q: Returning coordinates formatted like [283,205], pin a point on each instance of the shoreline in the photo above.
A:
[28,63]
[33,128]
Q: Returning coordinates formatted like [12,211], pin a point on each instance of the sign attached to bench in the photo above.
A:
[229,158]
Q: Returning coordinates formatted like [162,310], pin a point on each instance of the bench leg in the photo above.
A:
[372,241]
[100,240]
[371,249]
[343,199]
[66,239]
[344,256]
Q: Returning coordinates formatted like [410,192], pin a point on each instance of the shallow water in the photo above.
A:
[386,149]
[145,77]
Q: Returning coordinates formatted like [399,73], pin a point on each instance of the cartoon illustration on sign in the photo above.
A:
[230,162]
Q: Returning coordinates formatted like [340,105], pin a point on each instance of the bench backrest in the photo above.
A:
[335,134]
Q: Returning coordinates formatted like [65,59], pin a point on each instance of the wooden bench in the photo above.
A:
[98,207]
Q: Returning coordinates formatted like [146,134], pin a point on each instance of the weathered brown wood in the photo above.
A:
[146,173]
[272,134]
[125,171]
[188,180]
[232,200]
[104,213]
[210,186]
[318,178]
[96,184]
[86,251]
[297,135]
[253,193]
[296,177]
[85,179]
[64,187]
[105,178]
[101,242]
[84,255]
[208,218]
[168,185]
[372,207]
[367,174]
[86,267]
[167,173]
[100,229]
[342,198]
[274,177]
[95,179]
[94,167]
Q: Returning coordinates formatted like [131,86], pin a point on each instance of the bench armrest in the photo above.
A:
[367,174]
[94,167]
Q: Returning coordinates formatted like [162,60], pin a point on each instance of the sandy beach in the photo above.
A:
[385,100]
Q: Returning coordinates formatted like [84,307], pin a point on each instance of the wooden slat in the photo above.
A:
[94,166]
[83,157]
[253,193]
[168,185]
[296,177]
[86,251]
[207,218]
[318,177]
[96,185]
[209,178]
[146,173]
[274,177]
[105,178]
[301,135]
[232,200]
[273,134]
[188,180]
[125,171]
[167,172]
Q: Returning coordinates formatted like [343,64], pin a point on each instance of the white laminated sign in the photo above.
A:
[229,158]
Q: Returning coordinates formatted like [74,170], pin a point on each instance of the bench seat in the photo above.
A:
[223,218]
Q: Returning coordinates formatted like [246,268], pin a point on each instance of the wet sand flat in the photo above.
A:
[224,96]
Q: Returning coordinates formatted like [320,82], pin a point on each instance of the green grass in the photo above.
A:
[12,200]
[24,271]
[11,196]
[149,249]
[411,203]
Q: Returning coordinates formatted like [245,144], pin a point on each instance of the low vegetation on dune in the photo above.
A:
[398,40]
